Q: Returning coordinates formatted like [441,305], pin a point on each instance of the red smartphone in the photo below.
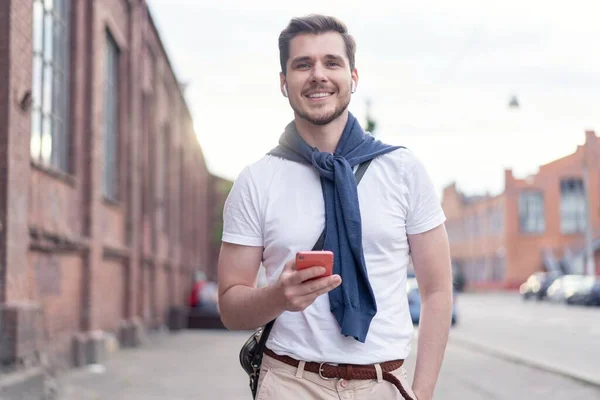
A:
[307,259]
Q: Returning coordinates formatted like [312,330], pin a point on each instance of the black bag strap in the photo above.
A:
[360,171]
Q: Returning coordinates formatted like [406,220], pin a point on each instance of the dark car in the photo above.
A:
[593,298]
[414,302]
[536,286]
[586,294]
[563,288]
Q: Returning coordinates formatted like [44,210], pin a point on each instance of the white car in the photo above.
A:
[565,287]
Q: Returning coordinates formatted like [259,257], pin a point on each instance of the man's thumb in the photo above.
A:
[290,265]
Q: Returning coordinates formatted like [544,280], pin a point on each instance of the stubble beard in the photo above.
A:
[323,119]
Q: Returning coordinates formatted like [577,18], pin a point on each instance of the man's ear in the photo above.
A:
[283,84]
[354,80]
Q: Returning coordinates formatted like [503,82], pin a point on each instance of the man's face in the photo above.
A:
[319,79]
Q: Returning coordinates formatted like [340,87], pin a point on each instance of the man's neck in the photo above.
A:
[323,137]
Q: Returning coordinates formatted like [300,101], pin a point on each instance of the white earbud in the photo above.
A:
[353,87]
[285,92]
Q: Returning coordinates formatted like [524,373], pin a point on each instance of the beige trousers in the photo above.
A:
[281,382]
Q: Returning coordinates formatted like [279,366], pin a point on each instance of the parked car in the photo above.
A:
[593,298]
[583,294]
[536,286]
[566,286]
[414,302]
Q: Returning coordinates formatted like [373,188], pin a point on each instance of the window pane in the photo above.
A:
[111,122]
[47,90]
[37,82]
[59,8]
[59,146]
[47,140]
[48,37]
[38,25]
[36,134]
[61,89]
[49,4]
[59,47]
[57,94]
[572,206]
[531,212]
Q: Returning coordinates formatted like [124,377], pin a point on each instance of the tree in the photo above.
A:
[371,124]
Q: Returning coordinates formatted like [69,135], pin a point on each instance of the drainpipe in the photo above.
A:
[590,265]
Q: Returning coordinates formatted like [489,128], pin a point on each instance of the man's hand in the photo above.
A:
[243,306]
[295,293]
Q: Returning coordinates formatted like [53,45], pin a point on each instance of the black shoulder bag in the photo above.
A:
[252,351]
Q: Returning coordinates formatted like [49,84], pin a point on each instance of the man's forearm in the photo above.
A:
[244,307]
[434,325]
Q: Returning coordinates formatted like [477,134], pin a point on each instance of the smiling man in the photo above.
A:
[345,335]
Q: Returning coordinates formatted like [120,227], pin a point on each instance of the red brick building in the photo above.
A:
[104,192]
[536,224]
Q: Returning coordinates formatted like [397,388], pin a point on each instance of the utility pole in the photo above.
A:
[590,265]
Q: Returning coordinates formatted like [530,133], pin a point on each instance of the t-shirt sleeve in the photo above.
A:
[241,213]
[424,208]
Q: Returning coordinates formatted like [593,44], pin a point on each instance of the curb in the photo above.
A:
[530,362]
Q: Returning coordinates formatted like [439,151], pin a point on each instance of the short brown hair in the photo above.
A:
[314,24]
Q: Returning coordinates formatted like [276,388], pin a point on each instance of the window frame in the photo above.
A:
[111,120]
[51,85]
[576,215]
[540,228]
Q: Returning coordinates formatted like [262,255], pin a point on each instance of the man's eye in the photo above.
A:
[302,66]
[333,64]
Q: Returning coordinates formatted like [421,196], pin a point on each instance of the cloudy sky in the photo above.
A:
[440,75]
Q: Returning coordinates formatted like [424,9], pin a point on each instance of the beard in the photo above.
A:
[322,118]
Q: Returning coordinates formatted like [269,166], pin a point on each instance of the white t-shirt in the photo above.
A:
[278,204]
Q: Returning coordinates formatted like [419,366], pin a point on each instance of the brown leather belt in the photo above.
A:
[347,371]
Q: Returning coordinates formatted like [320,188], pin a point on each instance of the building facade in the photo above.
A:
[104,191]
[535,224]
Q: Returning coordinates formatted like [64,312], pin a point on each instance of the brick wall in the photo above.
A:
[520,254]
[4,111]
[87,262]
[525,251]
[477,235]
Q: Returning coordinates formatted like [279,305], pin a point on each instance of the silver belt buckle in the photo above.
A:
[321,371]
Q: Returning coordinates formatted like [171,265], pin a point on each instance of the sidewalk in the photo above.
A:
[183,366]
[203,364]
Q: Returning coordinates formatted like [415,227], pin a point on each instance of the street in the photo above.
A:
[204,364]
[554,336]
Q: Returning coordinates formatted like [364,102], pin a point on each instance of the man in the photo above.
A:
[280,205]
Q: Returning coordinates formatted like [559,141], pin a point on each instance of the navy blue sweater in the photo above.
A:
[353,302]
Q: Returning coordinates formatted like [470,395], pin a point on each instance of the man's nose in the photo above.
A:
[319,73]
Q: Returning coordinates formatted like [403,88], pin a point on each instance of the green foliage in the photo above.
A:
[223,188]
[371,125]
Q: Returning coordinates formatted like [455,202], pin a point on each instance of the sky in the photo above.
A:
[439,75]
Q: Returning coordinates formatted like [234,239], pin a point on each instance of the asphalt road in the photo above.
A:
[562,338]
[471,375]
